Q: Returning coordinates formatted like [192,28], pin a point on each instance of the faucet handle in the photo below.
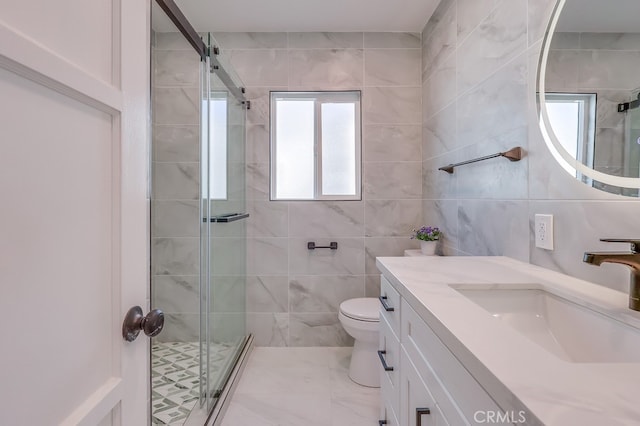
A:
[635,242]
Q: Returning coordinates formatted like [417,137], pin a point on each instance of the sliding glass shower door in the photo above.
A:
[198,237]
[224,235]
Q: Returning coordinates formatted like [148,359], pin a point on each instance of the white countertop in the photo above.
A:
[517,373]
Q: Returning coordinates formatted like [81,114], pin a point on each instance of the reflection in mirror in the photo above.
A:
[591,84]
[573,118]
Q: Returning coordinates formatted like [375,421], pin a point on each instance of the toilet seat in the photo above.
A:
[364,309]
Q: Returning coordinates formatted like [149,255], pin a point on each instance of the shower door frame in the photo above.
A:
[182,23]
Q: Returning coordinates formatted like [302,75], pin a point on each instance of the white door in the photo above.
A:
[74,106]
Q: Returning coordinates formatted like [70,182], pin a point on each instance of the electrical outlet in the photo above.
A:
[544,231]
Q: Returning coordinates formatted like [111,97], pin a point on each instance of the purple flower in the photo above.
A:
[427,233]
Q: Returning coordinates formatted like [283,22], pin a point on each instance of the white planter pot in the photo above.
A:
[428,248]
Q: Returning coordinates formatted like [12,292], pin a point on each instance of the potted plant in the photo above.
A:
[428,237]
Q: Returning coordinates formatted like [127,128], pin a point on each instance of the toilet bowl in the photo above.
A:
[360,318]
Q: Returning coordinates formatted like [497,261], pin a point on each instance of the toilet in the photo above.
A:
[360,318]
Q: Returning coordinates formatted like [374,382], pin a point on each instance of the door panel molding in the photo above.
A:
[98,405]
[27,58]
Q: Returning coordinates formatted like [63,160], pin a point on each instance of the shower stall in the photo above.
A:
[198,216]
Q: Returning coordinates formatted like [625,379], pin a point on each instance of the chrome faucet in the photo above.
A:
[630,258]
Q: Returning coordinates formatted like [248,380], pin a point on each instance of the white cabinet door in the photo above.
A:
[417,406]
[74,92]
[389,347]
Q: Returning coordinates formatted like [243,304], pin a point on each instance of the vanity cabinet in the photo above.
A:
[428,386]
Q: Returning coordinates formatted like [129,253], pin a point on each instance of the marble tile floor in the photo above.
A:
[288,386]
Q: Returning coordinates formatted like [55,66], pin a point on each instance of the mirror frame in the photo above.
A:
[566,160]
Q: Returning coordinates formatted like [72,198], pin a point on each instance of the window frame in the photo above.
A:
[344,96]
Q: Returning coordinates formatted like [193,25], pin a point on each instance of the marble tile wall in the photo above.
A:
[479,73]
[175,184]
[293,294]
[464,88]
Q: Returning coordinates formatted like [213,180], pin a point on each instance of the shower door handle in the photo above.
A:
[226,218]
[134,322]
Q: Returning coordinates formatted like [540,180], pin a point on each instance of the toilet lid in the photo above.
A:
[362,308]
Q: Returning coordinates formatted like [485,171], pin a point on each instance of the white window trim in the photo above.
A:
[351,96]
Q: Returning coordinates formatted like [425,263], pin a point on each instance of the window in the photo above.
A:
[572,117]
[315,146]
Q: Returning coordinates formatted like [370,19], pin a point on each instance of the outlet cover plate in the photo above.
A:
[544,231]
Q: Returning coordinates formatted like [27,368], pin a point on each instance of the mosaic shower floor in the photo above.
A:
[175,384]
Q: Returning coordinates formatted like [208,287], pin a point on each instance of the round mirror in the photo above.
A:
[589,92]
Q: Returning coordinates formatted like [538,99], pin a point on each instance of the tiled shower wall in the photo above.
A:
[480,60]
[175,182]
[293,294]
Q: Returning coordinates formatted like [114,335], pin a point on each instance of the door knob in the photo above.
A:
[134,322]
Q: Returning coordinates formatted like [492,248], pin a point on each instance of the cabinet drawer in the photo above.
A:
[458,394]
[419,408]
[392,299]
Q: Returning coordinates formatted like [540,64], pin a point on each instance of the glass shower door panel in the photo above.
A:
[227,257]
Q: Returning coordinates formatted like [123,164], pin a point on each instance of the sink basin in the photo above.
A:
[571,332]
